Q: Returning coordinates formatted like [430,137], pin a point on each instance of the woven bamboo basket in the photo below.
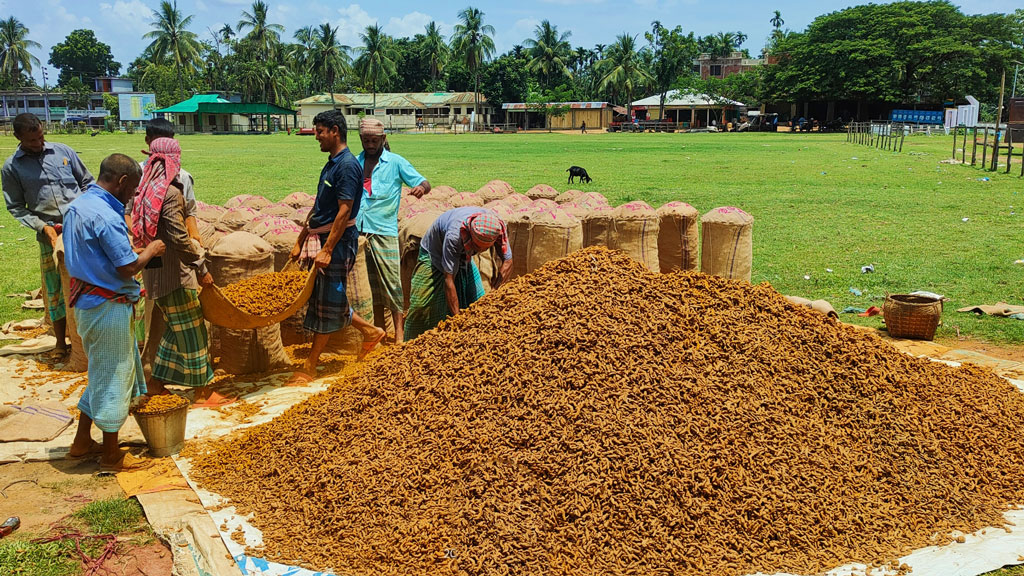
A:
[911,316]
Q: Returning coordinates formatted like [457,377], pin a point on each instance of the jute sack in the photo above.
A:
[282,239]
[236,218]
[727,245]
[635,232]
[410,232]
[491,191]
[542,205]
[677,237]
[299,200]
[592,200]
[433,204]
[263,224]
[463,199]
[488,263]
[236,201]
[280,210]
[518,227]
[78,361]
[516,200]
[501,186]
[209,212]
[575,209]
[568,196]
[441,192]
[552,235]
[300,215]
[256,202]
[542,191]
[597,227]
[503,210]
[209,234]
[405,204]
[238,256]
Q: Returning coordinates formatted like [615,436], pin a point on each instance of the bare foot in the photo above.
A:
[208,398]
[299,378]
[371,342]
[93,448]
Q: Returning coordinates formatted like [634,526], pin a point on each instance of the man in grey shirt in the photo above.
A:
[40,180]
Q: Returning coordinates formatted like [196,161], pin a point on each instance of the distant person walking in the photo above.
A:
[40,180]
[583,127]
[383,175]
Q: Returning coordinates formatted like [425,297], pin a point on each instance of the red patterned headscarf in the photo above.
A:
[161,169]
[480,231]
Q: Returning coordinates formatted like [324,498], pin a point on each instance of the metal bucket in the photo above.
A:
[164,433]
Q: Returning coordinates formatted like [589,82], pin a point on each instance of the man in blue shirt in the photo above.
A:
[332,227]
[40,180]
[383,176]
[102,265]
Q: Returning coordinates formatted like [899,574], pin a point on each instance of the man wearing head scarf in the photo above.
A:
[445,279]
[383,175]
[177,346]
[103,291]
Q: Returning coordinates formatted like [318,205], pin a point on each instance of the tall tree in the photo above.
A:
[550,53]
[328,58]
[376,61]
[777,20]
[436,51]
[15,58]
[264,36]
[621,70]
[673,54]
[473,41]
[82,56]
[173,42]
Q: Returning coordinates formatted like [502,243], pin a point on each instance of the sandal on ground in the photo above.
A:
[299,378]
[94,449]
[369,345]
[127,463]
[215,400]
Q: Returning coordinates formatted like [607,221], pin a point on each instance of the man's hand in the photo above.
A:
[51,235]
[418,191]
[206,280]
[295,253]
[323,259]
[156,248]
[503,274]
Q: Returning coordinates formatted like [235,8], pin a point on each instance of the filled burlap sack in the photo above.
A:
[256,202]
[209,212]
[410,232]
[263,224]
[238,256]
[499,207]
[465,199]
[516,200]
[282,239]
[236,201]
[592,200]
[299,200]
[634,230]
[575,209]
[494,190]
[518,228]
[78,361]
[727,243]
[552,235]
[280,209]
[300,215]
[433,204]
[441,193]
[405,204]
[542,191]
[234,219]
[568,196]
[678,237]
[209,234]
[597,226]
[542,205]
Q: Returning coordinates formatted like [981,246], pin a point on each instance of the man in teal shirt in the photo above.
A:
[383,176]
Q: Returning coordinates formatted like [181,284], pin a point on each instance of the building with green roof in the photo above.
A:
[399,111]
[211,113]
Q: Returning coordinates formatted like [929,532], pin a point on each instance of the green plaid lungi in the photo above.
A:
[384,268]
[51,282]
[183,357]
[115,367]
[427,304]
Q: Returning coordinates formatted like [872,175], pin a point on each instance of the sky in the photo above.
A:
[121,23]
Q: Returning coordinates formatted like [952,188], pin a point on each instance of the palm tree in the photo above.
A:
[726,43]
[474,43]
[777,20]
[437,51]
[173,41]
[264,36]
[377,57]
[621,69]
[328,57]
[550,52]
[740,38]
[226,33]
[15,57]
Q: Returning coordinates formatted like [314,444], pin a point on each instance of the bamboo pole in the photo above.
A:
[999,119]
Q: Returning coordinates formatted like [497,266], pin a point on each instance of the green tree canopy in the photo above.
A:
[82,56]
[15,59]
[473,42]
[550,54]
[376,61]
[173,43]
[673,53]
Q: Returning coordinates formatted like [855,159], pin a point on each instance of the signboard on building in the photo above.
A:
[136,107]
[97,113]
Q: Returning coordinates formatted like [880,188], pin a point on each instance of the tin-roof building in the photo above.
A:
[688,110]
[399,110]
[526,115]
[212,113]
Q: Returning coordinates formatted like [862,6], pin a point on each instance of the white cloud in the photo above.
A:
[127,16]
[409,25]
[352,23]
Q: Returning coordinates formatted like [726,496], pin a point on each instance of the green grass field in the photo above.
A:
[819,203]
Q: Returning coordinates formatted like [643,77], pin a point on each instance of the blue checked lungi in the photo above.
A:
[328,309]
[115,366]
